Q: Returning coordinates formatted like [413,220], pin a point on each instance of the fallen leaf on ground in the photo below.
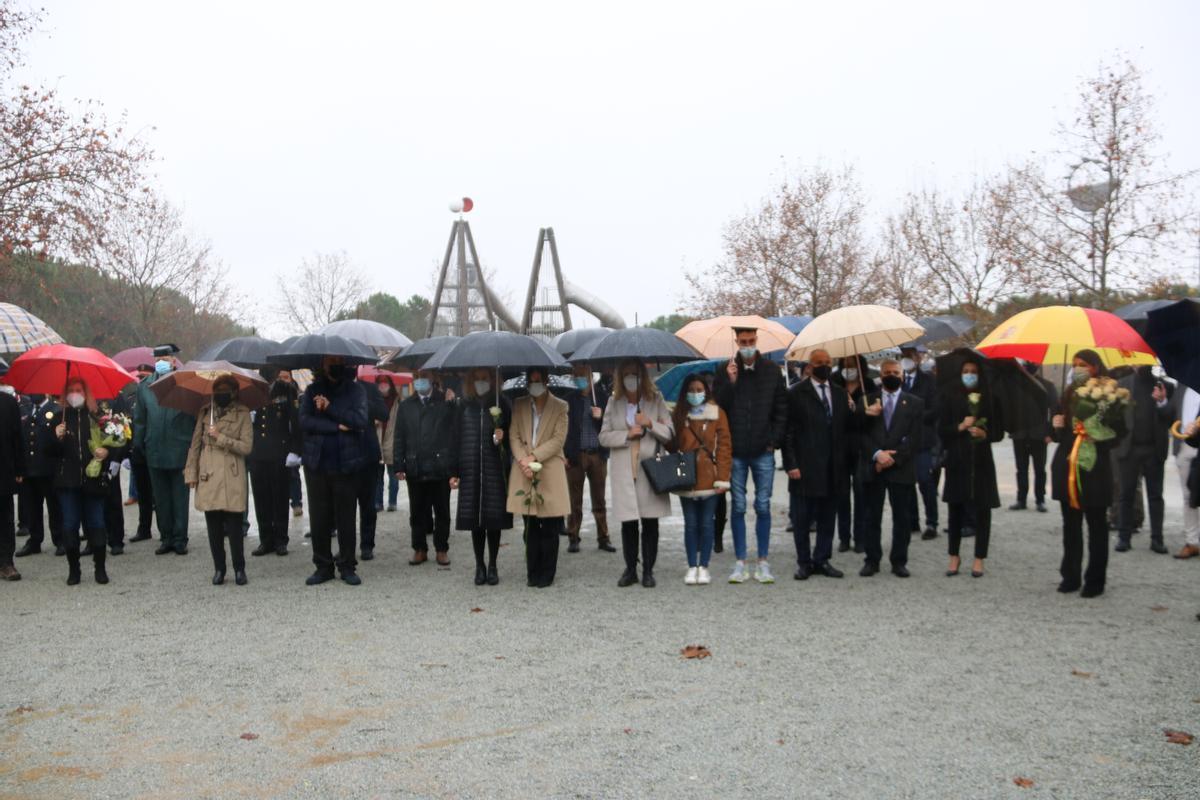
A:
[629,730]
[249,737]
[1078,673]
[21,710]
[499,658]
[433,665]
[1024,783]
[695,651]
[476,610]
[1178,737]
[779,741]
[1158,608]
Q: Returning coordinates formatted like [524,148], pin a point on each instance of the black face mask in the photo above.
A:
[222,399]
[891,382]
[335,372]
[822,372]
[1145,375]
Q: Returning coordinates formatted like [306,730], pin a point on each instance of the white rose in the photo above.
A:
[535,467]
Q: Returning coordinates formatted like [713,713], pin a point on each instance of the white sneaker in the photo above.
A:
[690,577]
[703,578]
[763,575]
[739,573]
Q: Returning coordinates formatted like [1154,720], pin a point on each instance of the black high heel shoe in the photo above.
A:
[493,577]
[480,575]
[218,577]
[239,577]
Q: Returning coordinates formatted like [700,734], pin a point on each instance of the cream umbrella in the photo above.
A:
[853,330]
[714,338]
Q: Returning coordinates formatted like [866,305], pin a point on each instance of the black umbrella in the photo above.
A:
[570,341]
[416,354]
[643,344]
[943,328]
[1137,314]
[496,350]
[1012,388]
[249,352]
[308,352]
[1174,333]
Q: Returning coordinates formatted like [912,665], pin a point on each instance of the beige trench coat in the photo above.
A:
[552,480]
[218,466]
[632,496]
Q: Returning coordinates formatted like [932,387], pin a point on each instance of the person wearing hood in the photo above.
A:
[1142,455]
[423,453]
[216,472]
[277,445]
[162,438]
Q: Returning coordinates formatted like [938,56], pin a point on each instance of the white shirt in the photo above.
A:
[630,414]
[537,420]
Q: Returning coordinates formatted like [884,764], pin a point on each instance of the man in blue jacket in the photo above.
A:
[162,437]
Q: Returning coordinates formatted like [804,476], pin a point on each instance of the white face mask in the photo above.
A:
[8,390]
[630,382]
[537,389]
[76,400]
[850,373]
[907,364]
[482,388]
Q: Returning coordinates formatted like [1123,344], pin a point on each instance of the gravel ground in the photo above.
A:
[420,684]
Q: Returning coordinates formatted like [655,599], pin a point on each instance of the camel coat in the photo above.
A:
[632,495]
[218,466]
[552,480]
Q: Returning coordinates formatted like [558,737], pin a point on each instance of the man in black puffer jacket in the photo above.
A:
[424,453]
[751,391]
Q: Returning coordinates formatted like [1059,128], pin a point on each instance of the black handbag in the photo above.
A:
[670,472]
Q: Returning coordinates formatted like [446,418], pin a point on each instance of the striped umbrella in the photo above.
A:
[1052,335]
[21,331]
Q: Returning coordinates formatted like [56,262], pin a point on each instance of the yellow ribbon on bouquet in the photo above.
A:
[1074,487]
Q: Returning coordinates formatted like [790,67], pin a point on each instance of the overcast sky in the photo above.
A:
[635,129]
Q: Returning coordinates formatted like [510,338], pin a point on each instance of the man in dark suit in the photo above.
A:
[423,449]
[585,458]
[1143,454]
[892,422]
[814,455]
[1030,434]
[377,412]
[918,383]
[12,473]
[38,440]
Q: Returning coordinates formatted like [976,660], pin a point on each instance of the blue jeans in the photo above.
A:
[393,487]
[79,508]
[699,524]
[762,468]
[297,493]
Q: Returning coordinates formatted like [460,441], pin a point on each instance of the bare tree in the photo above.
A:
[1101,223]
[328,285]
[900,280]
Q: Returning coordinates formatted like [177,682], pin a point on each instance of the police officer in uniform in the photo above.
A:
[276,443]
[39,443]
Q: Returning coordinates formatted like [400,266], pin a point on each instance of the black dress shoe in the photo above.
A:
[139,537]
[218,577]
[59,550]
[718,546]
[28,549]
[1158,547]
[117,549]
[261,550]
[1017,506]
[1092,591]
[900,572]
[859,549]
[930,533]
[480,575]
[828,570]
[606,546]
[351,579]
[868,570]
[281,550]
[368,554]
[493,577]
[791,528]
[573,546]
[1041,507]
[648,579]
[1067,588]
[802,572]
[239,577]
[843,547]
[181,550]
[101,575]
[1122,545]
[318,577]
[628,578]
[22,530]
[163,549]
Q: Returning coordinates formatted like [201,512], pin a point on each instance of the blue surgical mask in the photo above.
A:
[747,353]
[581,382]
[162,367]
[696,399]
[422,385]
[970,380]
[1081,374]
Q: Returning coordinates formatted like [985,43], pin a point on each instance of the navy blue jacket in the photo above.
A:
[326,447]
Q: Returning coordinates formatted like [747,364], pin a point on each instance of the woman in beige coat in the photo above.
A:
[636,424]
[216,471]
[536,436]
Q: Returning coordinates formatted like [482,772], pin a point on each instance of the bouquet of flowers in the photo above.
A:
[975,405]
[1098,404]
[111,430]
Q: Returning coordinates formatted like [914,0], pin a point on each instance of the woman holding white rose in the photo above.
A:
[537,484]
[636,424]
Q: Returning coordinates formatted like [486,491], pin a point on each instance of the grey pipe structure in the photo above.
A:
[592,304]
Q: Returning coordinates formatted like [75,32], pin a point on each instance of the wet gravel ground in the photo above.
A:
[420,684]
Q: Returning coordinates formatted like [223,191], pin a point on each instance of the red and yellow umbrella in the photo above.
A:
[1052,335]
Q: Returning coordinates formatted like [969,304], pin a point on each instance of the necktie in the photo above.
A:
[825,399]
[908,382]
[889,406]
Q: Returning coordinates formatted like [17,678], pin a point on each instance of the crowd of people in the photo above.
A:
[850,436]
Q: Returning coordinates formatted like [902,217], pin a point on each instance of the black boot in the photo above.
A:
[629,549]
[649,557]
[478,541]
[73,566]
[98,555]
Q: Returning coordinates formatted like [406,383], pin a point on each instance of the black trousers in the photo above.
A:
[541,549]
[332,503]
[490,537]
[271,484]
[224,525]
[145,496]
[901,498]
[114,512]
[852,509]
[720,518]
[927,488]
[977,517]
[1026,451]
[649,543]
[39,491]
[8,530]
[805,511]
[1097,540]
[1141,462]
[429,509]
[368,514]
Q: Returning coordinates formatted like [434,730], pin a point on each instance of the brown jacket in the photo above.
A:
[708,435]
[217,466]
[552,480]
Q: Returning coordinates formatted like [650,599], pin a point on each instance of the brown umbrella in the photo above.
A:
[189,388]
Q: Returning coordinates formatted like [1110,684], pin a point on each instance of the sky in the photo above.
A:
[636,130]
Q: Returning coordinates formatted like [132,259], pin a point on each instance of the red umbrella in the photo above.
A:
[45,370]
[134,357]
[369,374]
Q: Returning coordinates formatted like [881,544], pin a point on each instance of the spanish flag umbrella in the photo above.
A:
[1052,335]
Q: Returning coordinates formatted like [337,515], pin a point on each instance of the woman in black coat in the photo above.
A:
[481,466]
[276,437]
[1096,485]
[81,496]
[854,377]
[967,434]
